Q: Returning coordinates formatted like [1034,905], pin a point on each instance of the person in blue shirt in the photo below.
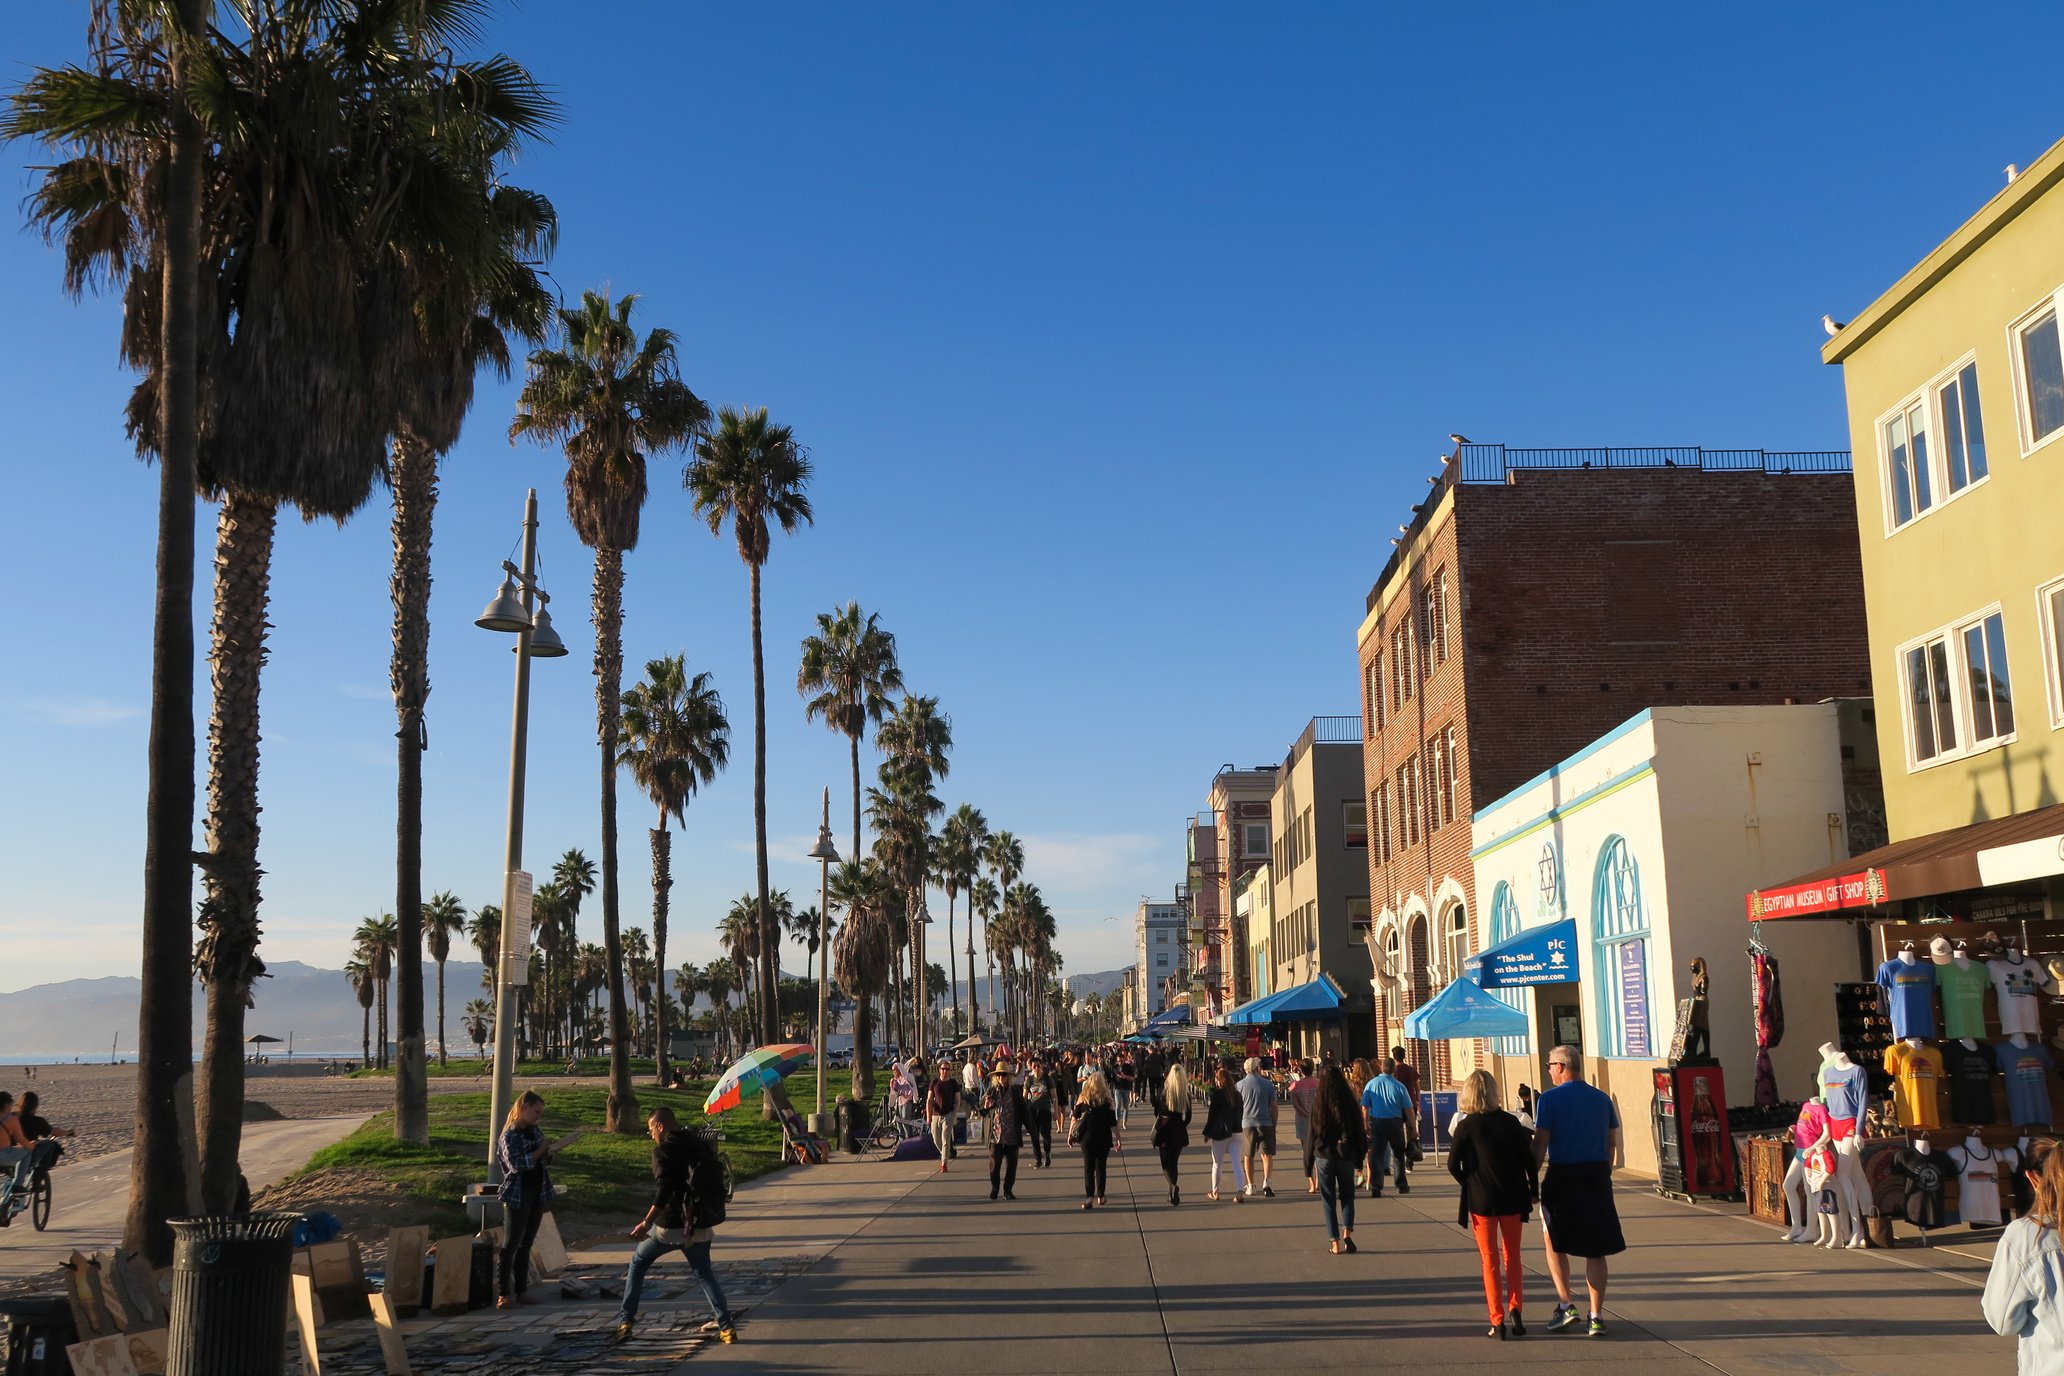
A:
[1577,1133]
[1387,1106]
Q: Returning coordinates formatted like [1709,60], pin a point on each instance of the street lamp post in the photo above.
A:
[824,853]
[511,611]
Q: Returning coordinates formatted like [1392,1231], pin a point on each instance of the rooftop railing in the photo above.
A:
[1493,463]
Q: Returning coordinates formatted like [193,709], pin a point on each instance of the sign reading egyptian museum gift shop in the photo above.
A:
[1543,955]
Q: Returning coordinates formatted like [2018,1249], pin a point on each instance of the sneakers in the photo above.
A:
[1268,1191]
[1565,1316]
[727,1335]
[620,1332]
[1596,1329]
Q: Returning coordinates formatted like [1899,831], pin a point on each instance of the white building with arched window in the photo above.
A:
[1607,874]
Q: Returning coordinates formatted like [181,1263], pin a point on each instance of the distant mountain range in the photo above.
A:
[86,1017]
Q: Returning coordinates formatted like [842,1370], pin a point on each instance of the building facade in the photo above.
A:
[1157,929]
[1319,877]
[1254,901]
[1235,842]
[1538,598]
[1955,383]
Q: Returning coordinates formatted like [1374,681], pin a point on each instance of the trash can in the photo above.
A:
[34,1333]
[229,1295]
[852,1125]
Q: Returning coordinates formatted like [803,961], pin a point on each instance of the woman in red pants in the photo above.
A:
[1493,1159]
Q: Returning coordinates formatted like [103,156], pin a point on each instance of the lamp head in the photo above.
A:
[544,641]
[824,849]
[506,612]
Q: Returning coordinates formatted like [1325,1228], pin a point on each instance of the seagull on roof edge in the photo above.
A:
[1832,325]
[1459,439]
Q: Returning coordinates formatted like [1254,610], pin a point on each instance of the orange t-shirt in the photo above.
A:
[1918,1071]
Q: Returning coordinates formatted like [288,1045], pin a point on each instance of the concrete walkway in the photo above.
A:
[939,1278]
[89,1200]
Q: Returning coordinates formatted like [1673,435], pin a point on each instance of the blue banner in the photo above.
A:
[1542,955]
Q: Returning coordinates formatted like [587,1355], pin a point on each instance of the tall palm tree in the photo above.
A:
[378,939]
[637,949]
[687,984]
[861,955]
[739,931]
[608,399]
[676,738]
[478,1022]
[1006,857]
[752,472]
[468,305]
[444,917]
[290,293]
[485,932]
[574,873]
[959,863]
[551,931]
[364,986]
[983,900]
[719,978]
[916,739]
[850,666]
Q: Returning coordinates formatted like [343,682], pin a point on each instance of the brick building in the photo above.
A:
[1539,597]
[1228,841]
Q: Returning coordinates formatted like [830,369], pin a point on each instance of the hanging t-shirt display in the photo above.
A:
[1978,1198]
[2027,1069]
[1846,1090]
[1909,996]
[1923,1173]
[1963,999]
[1916,1072]
[1970,1072]
[2017,982]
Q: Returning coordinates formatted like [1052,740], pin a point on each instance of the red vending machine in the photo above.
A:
[1694,1153]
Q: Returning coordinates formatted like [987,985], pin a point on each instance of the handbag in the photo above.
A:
[1414,1153]
[1075,1132]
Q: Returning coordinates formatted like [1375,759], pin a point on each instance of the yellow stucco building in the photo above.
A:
[1955,382]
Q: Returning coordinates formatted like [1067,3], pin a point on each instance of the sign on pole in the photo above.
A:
[516,930]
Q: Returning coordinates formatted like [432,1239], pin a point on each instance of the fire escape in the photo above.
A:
[1206,931]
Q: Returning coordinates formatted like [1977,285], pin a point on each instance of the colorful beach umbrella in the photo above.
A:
[753,1072]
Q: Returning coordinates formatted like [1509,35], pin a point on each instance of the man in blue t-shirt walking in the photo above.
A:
[1389,1111]
[1577,1133]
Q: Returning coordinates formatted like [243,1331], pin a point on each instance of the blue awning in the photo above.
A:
[1317,1001]
[1464,1009]
[1168,1018]
[1539,955]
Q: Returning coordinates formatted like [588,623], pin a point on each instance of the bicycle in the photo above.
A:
[34,1200]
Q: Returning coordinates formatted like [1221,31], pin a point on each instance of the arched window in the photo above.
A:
[1505,924]
[1455,931]
[1619,932]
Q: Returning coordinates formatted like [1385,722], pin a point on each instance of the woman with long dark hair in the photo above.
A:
[1222,1132]
[1339,1142]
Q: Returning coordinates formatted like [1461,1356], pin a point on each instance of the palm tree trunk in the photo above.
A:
[950,980]
[414,479]
[365,1035]
[441,1058]
[974,989]
[623,1099]
[853,742]
[770,936]
[162,1169]
[385,981]
[227,958]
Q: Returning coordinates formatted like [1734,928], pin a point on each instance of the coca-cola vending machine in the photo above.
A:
[1694,1153]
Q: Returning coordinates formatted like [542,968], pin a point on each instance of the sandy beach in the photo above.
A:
[99,1101]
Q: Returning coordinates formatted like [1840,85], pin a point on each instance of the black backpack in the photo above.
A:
[708,1189]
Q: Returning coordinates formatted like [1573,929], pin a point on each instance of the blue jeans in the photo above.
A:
[653,1246]
[1336,1192]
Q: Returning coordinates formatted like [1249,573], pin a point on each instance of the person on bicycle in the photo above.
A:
[16,1157]
[43,1138]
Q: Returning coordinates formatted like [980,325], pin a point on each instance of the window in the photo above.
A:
[1256,842]
[1436,769]
[1437,617]
[1402,670]
[1379,805]
[1357,918]
[1505,924]
[1906,458]
[1619,932]
[2040,362]
[1373,693]
[1161,938]
[1451,805]
[1354,824]
[1956,690]
[1457,935]
[1963,428]
[1405,820]
[2049,609]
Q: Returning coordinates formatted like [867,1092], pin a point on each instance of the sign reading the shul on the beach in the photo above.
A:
[516,930]
[1545,955]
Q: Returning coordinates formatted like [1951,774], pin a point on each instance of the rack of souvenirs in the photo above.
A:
[1938,1081]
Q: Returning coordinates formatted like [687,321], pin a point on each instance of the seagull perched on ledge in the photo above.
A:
[1459,439]
[1832,325]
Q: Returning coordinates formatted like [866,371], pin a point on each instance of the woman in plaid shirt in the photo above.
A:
[526,1189]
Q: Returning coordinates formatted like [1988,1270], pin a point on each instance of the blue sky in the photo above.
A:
[1123,336]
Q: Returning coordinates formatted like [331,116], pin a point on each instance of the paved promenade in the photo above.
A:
[938,1278]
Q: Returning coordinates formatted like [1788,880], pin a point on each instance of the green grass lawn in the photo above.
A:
[604,1179]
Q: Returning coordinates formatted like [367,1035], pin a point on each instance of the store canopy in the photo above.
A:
[2007,850]
[1540,955]
[1167,1020]
[1320,1000]
[1206,1034]
[1464,1009]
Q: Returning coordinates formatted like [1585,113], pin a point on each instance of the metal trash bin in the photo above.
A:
[34,1333]
[230,1283]
[852,1125]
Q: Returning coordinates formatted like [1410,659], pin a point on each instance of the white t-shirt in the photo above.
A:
[2016,984]
[1978,1196]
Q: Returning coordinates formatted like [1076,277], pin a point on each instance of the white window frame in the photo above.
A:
[1952,634]
[2024,418]
[1247,846]
[2052,636]
[1929,398]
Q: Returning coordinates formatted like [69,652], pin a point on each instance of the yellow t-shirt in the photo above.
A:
[1918,1074]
